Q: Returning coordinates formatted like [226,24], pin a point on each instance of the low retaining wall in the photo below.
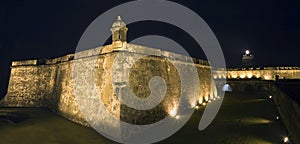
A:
[288,109]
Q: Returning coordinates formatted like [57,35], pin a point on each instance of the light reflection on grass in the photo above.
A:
[255,121]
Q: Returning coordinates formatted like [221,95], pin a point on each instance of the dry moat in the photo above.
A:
[244,117]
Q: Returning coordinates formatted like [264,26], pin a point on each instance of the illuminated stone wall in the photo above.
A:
[51,83]
[27,84]
[265,73]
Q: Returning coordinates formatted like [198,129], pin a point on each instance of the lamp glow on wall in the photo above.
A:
[234,76]
[286,139]
[206,98]
[173,112]
[267,77]
[249,75]
[200,101]
[257,75]
[242,76]
[193,104]
[215,76]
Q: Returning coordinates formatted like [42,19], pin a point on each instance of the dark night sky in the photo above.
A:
[51,28]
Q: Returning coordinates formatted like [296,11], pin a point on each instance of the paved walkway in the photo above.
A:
[244,118]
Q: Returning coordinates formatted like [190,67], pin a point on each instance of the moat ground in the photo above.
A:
[244,118]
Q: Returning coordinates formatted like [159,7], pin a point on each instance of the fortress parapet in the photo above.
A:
[263,73]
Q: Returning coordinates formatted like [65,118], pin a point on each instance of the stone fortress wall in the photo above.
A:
[263,73]
[75,85]
[50,83]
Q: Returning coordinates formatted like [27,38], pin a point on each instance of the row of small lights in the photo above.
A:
[244,76]
[206,102]
[286,138]
[174,114]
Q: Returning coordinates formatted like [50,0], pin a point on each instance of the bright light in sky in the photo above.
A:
[247,52]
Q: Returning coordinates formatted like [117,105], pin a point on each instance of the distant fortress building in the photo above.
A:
[50,83]
[247,59]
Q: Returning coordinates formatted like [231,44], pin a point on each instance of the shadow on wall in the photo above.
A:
[56,92]
[12,117]
[249,85]
[2,101]
[257,88]
[249,88]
